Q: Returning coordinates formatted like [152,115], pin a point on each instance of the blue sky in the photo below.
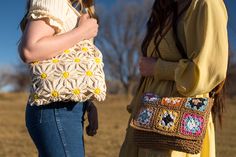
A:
[12,11]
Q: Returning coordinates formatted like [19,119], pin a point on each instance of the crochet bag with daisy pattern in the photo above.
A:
[173,123]
[75,75]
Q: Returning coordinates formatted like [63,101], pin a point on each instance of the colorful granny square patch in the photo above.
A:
[199,104]
[167,120]
[192,124]
[172,102]
[150,98]
[145,117]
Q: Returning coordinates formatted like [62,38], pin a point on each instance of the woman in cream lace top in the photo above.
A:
[50,28]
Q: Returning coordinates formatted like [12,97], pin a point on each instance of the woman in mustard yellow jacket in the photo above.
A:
[198,29]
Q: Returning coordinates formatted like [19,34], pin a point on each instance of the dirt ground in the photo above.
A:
[15,141]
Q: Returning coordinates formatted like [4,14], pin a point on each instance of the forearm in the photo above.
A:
[165,70]
[158,68]
[50,46]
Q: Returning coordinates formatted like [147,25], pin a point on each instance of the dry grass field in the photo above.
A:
[15,142]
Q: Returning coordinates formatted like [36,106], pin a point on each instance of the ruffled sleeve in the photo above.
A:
[51,11]
[206,42]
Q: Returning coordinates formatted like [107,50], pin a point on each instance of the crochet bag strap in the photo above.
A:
[180,47]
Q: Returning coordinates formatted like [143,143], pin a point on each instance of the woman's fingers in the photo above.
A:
[88,27]
[85,16]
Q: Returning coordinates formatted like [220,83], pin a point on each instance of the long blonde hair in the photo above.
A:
[89,4]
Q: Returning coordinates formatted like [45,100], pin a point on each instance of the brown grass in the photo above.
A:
[15,141]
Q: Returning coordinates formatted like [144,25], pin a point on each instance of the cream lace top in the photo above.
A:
[77,73]
[59,14]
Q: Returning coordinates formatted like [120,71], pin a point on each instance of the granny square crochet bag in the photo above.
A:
[173,123]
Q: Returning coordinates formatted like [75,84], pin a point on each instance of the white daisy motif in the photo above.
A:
[55,60]
[42,73]
[79,58]
[54,90]
[97,60]
[77,89]
[98,88]
[89,72]
[86,47]
[68,55]
[65,72]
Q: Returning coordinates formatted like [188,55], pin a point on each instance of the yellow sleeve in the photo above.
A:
[207,47]
[205,28]
[51,11]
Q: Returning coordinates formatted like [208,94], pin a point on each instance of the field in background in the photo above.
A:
[15,142]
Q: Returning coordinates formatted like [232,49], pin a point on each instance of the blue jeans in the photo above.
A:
[57,129]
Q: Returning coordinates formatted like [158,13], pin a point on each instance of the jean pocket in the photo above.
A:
[33,115]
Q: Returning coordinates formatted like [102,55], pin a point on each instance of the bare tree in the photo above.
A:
[21,78]
[122,30]
[17,77]
[5,76]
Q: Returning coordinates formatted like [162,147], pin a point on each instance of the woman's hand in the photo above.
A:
[88,27]
[146,66]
